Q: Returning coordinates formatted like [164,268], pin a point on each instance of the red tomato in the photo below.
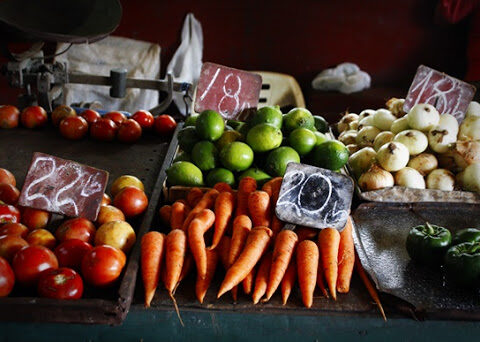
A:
[129,131]
[8,193]
[164,124]
[76,228]
[103,265]
[7,278]
[30,261]
[33,117]
[103,129]
[74,128]
[144,118]
[116,117]
[10,245]
[9,214]
[7,177]
[106,200]
[71,252]
[41,237]
[62,112]
[14,229]
[62,283]
[90,115]
[131,201]
[9,116]
[35,218]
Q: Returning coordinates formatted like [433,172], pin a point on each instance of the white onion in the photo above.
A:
[471,178]
[383,119]
[350,137]
[409,178]
[423,117]
[441,179]
[367,121]
[353,125]
[415,141]
[396,106]
[345,121]
[449,123]
[381,139]
[366,136]
[466,153]
[399,125]
[352,148]
[423,163]
[393,156]
[470,128]
[440,139]
[375,178]
[362,160]
[365,113]
[473,109]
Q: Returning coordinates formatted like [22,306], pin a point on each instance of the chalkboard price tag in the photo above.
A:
[63,186]
[233,93]
[314,197]
[448,94]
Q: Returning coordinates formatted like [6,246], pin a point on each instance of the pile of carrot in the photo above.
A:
[241,231]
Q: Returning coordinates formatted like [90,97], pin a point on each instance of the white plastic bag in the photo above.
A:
[346,78]
[186,63]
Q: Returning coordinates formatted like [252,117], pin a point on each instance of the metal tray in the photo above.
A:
[143,159]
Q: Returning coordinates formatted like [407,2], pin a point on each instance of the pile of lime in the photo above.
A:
[213,151]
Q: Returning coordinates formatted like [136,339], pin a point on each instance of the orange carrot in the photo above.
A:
[288,281]
[242,225]
[224,205]
[276,225]
[187,266]
[320,276]
[247,283]
[346,258]
[259,208]
[194,196]
[245,187]
[175,247]
[282,254]
[178,215]
[329,241]
[262,278]
[307,268]
[223,251]
[202,284]
[151,251]
[197,228]
[306,233]
[272,185]
[206,202]
[165,213]
[222,187]
[257,242]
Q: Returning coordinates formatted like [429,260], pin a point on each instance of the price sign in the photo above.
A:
[233,93]
[63,186]
[314,197]
[448,94]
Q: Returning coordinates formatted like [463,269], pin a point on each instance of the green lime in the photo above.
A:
[187,138]
[236,156]
[228,128]
[269,114]
[184,173]
[264,137]
[205,155]
[320,138]
[218,175]
[302,140]
[210,125]
[330,155]
[235,124]
[191,120]
[278,159]
[227,138]
[182,156]
[320,123]
[243,130]
[296,118]
[257,174]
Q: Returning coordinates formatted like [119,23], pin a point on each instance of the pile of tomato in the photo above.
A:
[105,128]
[58,263]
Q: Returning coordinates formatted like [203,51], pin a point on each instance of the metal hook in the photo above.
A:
[186,96]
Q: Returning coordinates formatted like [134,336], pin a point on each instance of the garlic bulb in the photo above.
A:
[471,178]
[366,136]
[396,106]
[381,139]
[352,148]
[415,141]
[466,153]
[441,179]
[393,156]
[409,178]
[362,160]
[367,121]
[383,119]
[473,109]
[424,163]
[345,121]
[423,117]
[365,113]
[375,178]
[399,125]
[350,137]
[470,128]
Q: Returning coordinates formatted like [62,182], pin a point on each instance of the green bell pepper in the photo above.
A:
[462,264]
[428,243]
[466,235]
